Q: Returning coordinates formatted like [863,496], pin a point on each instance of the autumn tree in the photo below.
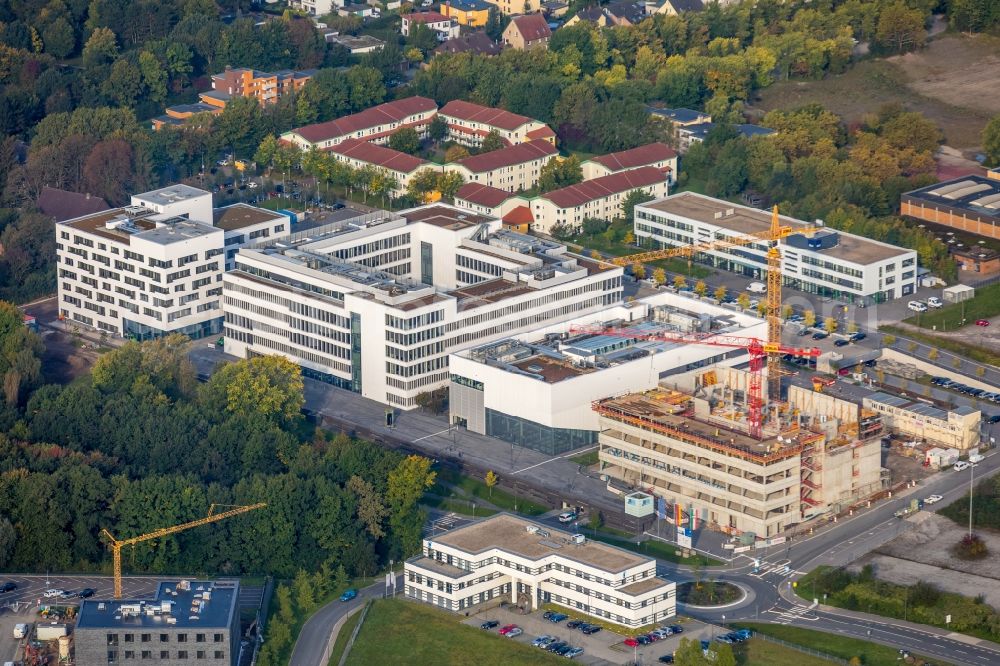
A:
[809,318]
[405,486]
[680,282]
[639,271]
[371,508]
[269,386]
[449,182]
[743,301]
[492,141]
[455,153]
[900,28]
[422,183]
[830,324]
[700,288]
[720,293]
[405,140]
[110,172]
[491,480]
[991,141]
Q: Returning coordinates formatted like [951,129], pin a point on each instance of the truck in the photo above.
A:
[50,632]
[21,630]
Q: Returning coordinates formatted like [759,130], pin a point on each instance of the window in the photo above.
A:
[164,654]
[164,638]
[129,654]
[147,654]
[217,638]
[219,654]
[112,639]
[199,638]
[200,654]
[129,638]
[112,656]
[182,654]
[145,638]
[182,638]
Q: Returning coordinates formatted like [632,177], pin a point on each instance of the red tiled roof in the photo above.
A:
[389,112]
[509,156]
[380,156]
[484,114]
[532,27]
[426,17]
[482,195]
[636,157]
[540,133]
[598,188]
[64,205]
[518,216]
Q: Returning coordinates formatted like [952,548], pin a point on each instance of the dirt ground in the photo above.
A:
[65,358]
[923,553]
[947,81]
[905,467]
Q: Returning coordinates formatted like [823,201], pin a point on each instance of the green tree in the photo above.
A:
[558,173]
[900,28]
[491,480]
[59,38]
[495,23]
[449,182]
[154,77]
[406,141]
[492,141]
[124,83]
[422,183]
[269,386]
[689,653]
[633,199]
[371,508]
[406,485]
[991,141]
[8,541]
[305,593]
[438,129]
[266,151]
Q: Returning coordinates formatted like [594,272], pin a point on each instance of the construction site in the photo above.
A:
[706,451]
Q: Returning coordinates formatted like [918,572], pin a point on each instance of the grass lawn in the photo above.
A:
[278,203]
[653,548]
[765,653]
[400,632]
[984,305]
[345,635]
[871,654]
[617,248]
[586,459]
[980,354]
[457,505]
[498,498]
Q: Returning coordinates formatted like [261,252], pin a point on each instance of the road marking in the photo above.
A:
[568,455]
[433,434]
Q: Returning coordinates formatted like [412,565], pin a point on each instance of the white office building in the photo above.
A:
[154,267]
[824,261]
[536,390]
[507,558]
[376,304]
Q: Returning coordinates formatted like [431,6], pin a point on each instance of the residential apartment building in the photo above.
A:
[187,622]
[155,267]
[536,389]
[487,200]
[472,13]
[265,87]
[446,28]
[376,304]
[969,203]
[526,563]
[599,198]
[658,155]
[514,168]
[469,123]
[695,453]
[398,165]
[955,429]
[527,32]
[316,7]
[818,260]
[512,7]
[376,124]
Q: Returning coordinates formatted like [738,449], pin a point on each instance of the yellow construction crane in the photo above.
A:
[212,517]
[773,299]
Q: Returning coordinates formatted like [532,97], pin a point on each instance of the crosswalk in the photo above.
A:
[796,613]
[767,568]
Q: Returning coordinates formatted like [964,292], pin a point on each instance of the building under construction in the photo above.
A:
[817,453]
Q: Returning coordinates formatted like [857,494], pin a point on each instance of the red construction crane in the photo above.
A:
[757,348]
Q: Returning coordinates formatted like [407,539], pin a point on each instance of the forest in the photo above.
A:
[141,444]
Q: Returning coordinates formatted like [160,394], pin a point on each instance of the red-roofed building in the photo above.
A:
[658,155]
[519,219]
[469,123]
[599,198]
[529,31]
[487,200]
[445,27]
[359,154]
[376,124]
[513,168]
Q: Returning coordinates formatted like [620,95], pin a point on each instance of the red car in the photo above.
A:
[631,642]
[507,629]
[982,322]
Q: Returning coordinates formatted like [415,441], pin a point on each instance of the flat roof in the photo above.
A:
[510,534]
[142,223]
[241,215]
[918,407]
[975,194]
[444,217]
[490,291]
[745,220]
[171,194]
[177,604]
[551,370]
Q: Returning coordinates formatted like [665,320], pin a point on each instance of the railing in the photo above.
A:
[803,649]
[350,641]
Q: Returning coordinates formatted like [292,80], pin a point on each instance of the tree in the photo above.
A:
[830,324]
[991,141]
[639,271]
[405,486]
[852,327]
[900,28]
[809,318]
[689,653]
[269,386]
[153,76]
[405,140]
[629,238]
[492,141]
[124,84]
[594,254]
[720,293]
[495,23]
[59,38]
[422,183]
[592,226]
[558,173]
[109,171]
[743,301]
[305,592]
[700,288]
[680,282]
[438,130]
[633,199]
[266,151]
[455,153]
[371,508]
[596,520]
[787,311]
[491,480]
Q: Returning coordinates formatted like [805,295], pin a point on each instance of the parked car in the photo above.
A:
[516,631]
[590,629]
[631,641]
[858,336]
[666,659]
[933,499]
[86,593]
[506,629]
[643,640]
[349,594]
[567,516]
[819,335]
[917,306]
[489,624]
[994,419]
[841,343]
[574,624]
[557,617]
[556,645]
[49,594]
[547,642]
[934,302]
[982,322]
[547,614]
[676,628]
[538,642]
[757,288]
[572,653]
[8,587]
[726,638]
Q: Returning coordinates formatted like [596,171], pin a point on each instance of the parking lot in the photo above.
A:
[604,647]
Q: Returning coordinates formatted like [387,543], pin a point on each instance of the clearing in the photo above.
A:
[406,632]
[945,81]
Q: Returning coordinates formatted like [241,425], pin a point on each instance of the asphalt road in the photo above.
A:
[315,634]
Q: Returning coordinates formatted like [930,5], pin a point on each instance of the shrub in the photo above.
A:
[924,594]
[971,547]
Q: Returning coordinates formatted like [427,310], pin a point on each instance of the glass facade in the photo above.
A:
[356,352]
[536,436]
[426,262]
[135,331]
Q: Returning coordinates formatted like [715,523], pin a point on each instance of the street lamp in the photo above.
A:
[972,472]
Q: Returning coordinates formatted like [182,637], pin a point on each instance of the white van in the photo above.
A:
[20,630]
[757,288]
[976,458]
